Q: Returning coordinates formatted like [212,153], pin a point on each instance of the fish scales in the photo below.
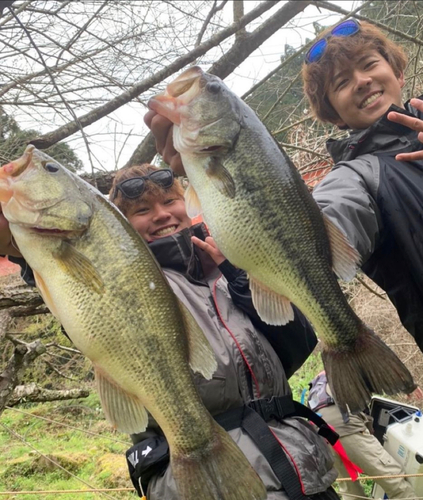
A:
[101,281]
[125,314]
[282,267]
[266,222]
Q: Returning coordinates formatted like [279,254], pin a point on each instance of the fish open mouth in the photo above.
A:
[212,148]
[178,93]
[52,231]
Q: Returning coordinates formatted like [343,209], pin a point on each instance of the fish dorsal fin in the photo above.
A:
[79,267]
[124,411]
[45,294]
[192,202]
[345,258]
[272,308]
[201,355]
[220,177]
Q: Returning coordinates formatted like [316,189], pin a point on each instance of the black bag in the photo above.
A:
[146,459]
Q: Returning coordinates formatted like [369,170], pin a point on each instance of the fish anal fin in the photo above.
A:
[201,355]
[79,267]
[345,258]
[273,309]
[124,411]
[45,294]
[220,177]
[192,202]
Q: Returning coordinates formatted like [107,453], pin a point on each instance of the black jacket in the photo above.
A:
[378,202]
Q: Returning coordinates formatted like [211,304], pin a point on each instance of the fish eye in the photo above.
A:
[213,87]
[51,167]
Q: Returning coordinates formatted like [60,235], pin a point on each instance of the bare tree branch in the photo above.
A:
[33,393]
[244,47]
[61,133]
[238,9]
[241,49]
[215,8]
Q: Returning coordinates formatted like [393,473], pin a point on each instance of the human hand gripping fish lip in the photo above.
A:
[177,94]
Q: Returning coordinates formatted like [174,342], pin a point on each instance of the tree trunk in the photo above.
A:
[23,356]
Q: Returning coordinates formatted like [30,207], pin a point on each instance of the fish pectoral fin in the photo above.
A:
[79,267]
[221,178]
[201,355]
[273,309]
[192,202]
[345,258]
[45,294]
[124,411]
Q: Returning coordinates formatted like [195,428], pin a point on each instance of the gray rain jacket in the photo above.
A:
[378,202]
[248,368]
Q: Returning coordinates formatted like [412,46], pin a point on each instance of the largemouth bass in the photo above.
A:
[99,278]
[265,221]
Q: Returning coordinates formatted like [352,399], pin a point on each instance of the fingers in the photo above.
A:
[199,243]
[162,129]
[416,155]
[210,247]
[409,121]
[211,242]
[413,123]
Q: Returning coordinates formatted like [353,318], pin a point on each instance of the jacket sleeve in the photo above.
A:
[293,343]
[347,195]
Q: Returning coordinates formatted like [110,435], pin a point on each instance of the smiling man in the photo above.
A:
[254,359]
[353,77]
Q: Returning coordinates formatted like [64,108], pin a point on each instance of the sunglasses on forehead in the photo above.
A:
[134,187]
[346,28]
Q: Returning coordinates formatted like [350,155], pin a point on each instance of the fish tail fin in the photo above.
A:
[220,472]
[370,366]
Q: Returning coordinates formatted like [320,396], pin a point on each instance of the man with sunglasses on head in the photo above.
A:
[353,78]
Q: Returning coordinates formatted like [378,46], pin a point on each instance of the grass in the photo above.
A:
[24,469]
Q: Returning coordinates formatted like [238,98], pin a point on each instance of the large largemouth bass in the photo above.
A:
[266,222]
[99,278]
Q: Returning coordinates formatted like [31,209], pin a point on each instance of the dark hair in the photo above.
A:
[151,189]
[341,51]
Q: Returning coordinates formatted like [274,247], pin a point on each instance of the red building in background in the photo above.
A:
[7,267]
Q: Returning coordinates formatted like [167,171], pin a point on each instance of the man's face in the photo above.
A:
[363,92]
[155,218]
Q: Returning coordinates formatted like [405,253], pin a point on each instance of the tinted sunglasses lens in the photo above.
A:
[163,178]
[346,28]
[316,51]
[132,188]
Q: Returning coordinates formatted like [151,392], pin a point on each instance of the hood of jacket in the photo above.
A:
[383,135]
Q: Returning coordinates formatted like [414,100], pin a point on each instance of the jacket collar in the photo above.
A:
[177,252]
[383,135]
